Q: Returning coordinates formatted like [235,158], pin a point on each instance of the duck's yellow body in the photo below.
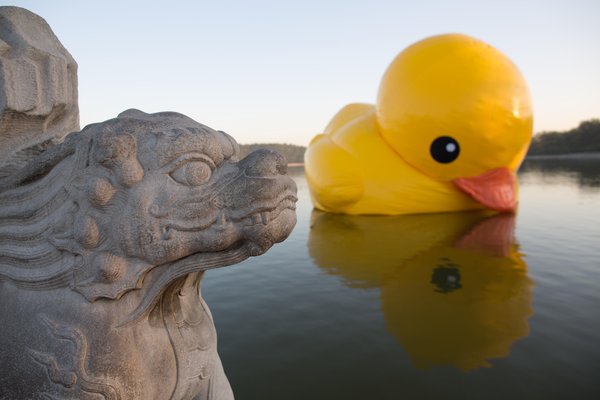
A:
[451,125]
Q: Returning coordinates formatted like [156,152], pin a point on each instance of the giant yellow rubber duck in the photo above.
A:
[451,125]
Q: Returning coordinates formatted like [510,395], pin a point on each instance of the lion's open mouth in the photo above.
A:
[263,214]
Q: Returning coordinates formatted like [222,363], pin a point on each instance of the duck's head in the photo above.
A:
[458,110]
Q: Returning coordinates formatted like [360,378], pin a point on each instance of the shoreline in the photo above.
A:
[586,155]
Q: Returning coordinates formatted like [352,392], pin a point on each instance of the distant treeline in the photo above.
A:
[584,138]
[292,153]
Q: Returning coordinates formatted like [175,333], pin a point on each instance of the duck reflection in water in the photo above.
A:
[454,287]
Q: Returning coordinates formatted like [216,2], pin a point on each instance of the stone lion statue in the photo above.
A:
[104,240]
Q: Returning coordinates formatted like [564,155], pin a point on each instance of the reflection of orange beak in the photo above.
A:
[494,236]
[494,189]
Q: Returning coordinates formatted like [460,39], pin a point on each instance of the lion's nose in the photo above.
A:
[265,163]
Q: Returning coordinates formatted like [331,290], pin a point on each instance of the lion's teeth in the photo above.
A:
[265,217]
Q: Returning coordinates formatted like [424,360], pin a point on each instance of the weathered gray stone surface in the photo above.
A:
[38,88]
[104,240]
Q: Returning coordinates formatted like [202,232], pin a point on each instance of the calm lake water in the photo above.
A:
[455,306]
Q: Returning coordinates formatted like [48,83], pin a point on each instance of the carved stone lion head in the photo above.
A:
[137,202]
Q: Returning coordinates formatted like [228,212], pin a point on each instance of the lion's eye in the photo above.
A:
[192,173]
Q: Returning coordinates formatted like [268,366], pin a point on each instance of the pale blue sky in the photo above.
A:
[276,71]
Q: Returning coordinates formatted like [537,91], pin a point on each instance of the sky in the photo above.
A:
[277,71]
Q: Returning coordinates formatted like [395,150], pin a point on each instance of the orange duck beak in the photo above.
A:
[495,189]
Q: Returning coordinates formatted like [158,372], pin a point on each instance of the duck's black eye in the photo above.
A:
[444,149]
